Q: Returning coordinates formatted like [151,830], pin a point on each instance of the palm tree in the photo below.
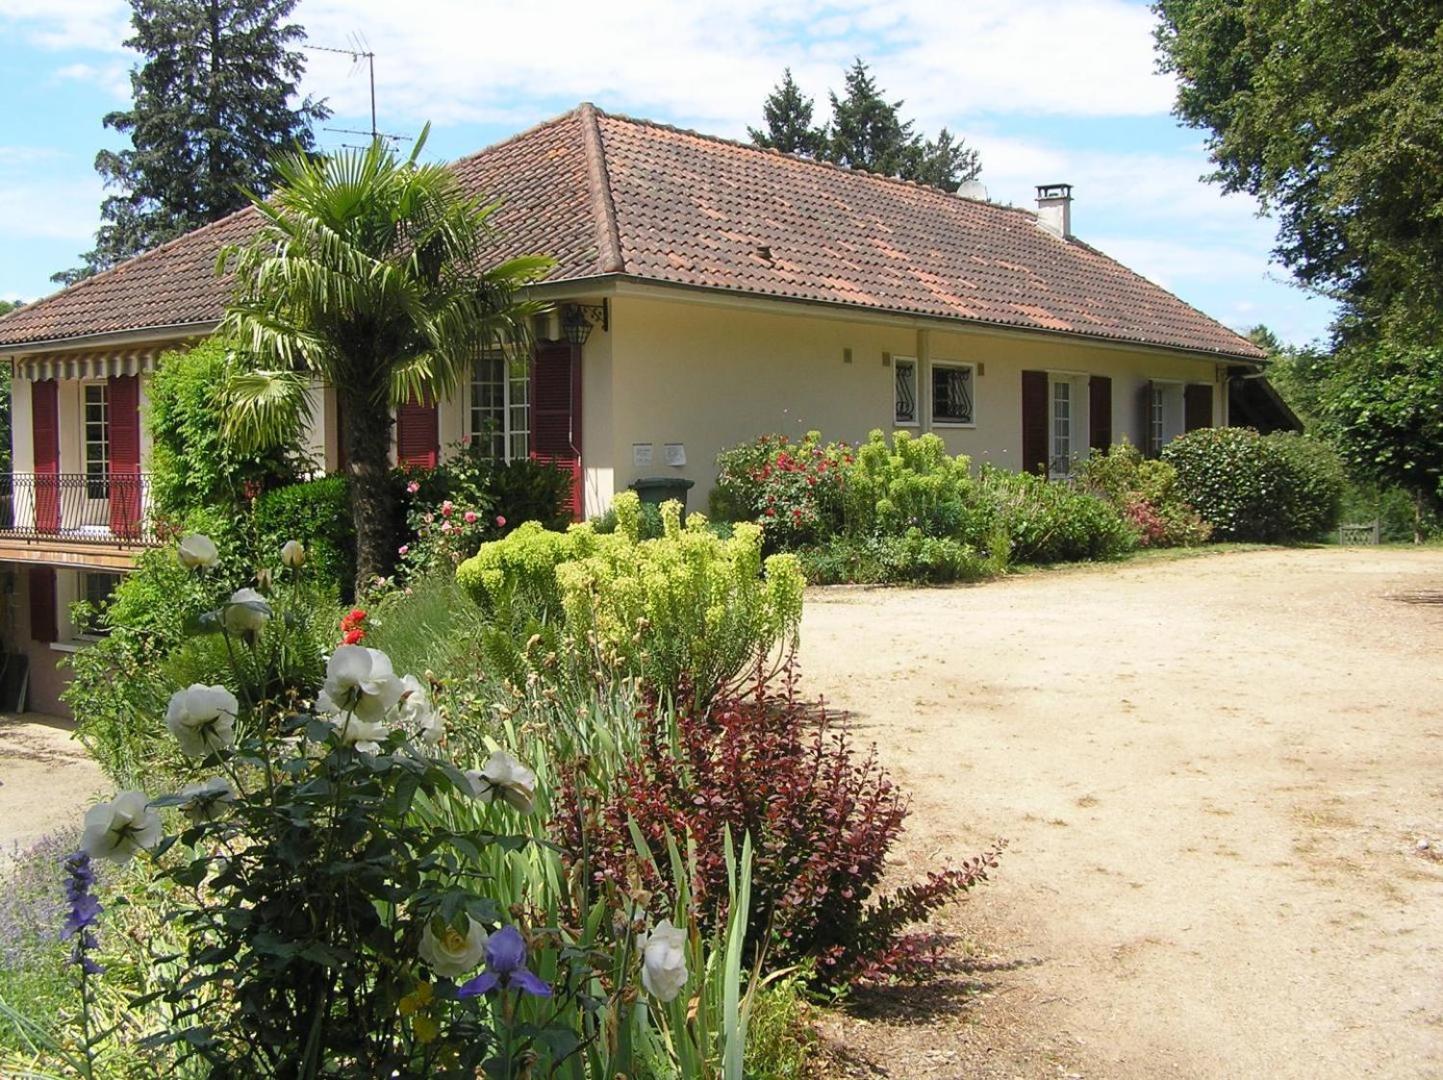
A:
[370,274]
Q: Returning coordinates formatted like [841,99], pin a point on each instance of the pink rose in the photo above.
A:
[445,526]
[413,487]
[500,522]
[470,517]
[447,509]
[403,549]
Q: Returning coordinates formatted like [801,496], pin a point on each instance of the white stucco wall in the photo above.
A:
[709,376]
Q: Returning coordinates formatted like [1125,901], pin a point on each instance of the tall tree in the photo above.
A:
[371,274]
[788,115]
[1331,115]
[866,132]
[214,104]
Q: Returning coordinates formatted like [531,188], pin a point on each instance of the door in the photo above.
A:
[556,413]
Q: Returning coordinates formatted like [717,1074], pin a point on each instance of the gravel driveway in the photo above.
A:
[1215,774]
[47,780]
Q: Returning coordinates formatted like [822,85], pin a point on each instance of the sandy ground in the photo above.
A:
[46,780]
[1214,774]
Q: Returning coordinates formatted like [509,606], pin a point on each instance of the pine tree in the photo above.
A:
[789,121]
[212,108]
[866,132]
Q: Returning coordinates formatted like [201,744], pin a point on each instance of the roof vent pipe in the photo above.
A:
[1054,209]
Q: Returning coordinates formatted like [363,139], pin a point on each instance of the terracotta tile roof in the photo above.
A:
[609,195]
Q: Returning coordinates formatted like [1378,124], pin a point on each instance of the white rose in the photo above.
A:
[197,552]
[359,681]
[293,554]
[362,734]
[246,612]
[663,960]
[418,712]
[118,829]
[202,719]
[208,800]
[505,778]
[451,953]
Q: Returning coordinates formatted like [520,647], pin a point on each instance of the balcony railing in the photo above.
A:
[94,508]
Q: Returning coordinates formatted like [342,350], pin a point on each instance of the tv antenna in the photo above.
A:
[359,51]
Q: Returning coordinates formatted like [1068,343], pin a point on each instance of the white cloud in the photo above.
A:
[100,25]
[456,60]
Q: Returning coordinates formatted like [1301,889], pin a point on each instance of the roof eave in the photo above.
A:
[82,342]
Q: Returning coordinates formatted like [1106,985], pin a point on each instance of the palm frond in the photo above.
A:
[264,404]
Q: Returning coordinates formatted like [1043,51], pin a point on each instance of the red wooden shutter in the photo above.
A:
[417,434]
[556,412]
[1145,441]
[42,603]
[1099,412]
[122,403]
[1034,422]
[45,432]
[1197,406]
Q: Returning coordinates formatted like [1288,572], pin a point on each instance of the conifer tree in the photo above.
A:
[866,132]
[788,114]
[214,103]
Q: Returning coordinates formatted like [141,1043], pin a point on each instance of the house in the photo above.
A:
[705,292]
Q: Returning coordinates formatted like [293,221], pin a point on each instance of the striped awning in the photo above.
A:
[100,364]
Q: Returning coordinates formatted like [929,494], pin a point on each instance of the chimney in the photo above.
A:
[1054,209]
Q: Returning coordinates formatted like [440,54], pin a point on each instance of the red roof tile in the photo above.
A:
[611,195]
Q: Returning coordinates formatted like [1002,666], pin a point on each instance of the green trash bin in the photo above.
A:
[659,489]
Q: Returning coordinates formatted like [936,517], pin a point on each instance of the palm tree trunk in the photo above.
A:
[373,502]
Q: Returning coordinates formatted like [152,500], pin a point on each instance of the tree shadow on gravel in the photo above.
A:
[956,986]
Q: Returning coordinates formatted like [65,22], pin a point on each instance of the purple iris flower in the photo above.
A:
[505,968]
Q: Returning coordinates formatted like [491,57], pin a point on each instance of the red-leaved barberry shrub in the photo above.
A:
[822,817]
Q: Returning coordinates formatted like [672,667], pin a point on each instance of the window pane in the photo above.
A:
[1061,429]
[98,588]
[488,405]
[906,392]
[97,441]
[951,394]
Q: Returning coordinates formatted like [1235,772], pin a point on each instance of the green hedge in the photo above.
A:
[1278,487]
[318,514]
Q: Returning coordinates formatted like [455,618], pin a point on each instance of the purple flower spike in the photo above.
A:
[83,912]
[505,968]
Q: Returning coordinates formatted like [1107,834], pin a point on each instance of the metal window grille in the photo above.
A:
[951,394]
[905,379]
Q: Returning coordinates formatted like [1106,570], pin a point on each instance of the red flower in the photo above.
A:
[353,637]
[352,619]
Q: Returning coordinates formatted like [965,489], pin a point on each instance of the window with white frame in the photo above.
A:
[952,393]
[500,407]
[97,441]
[904,378]
[1061,461]
[1157,419]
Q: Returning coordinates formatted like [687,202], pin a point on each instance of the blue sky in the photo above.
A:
[1048,92]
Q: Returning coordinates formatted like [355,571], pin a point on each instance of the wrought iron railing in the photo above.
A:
[98,508]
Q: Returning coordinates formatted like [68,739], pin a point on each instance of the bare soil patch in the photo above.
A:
[1215,775]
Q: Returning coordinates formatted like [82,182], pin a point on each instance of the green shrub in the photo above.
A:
[912,558]
[318,514]
[912,485]
[1254,487]
[687,612]
[793,489]
[1145,491]
[192,464]
[526,490]
[1047,521]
